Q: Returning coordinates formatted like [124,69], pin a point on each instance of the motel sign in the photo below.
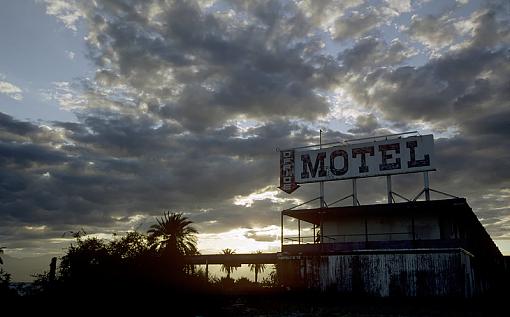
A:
[378,158]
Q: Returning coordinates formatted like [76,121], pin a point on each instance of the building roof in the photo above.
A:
[479,240]
[313,215]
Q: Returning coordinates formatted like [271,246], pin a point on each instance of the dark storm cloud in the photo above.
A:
[221,67]
[365,124]
[9,125]
[455,87]
[358,23]
[27,154]
[447,90]
[371,52]
[189,103]
[492,27]
[433,30]
[123,167]
[467,90]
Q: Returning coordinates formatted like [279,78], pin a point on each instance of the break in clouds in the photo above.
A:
[190,99]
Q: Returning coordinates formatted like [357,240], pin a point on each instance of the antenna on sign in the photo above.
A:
[321,184]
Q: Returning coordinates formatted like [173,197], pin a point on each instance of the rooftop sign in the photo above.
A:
[356,160]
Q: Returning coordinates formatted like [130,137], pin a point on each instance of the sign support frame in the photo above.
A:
[388,189]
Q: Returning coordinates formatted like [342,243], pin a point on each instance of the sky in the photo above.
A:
[112,112]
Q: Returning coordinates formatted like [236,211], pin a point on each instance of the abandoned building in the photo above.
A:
[410,249]
[418,248]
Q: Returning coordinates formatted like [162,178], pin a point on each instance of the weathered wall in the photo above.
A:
[427,227]
[387,228]
[350,229]
[386,274]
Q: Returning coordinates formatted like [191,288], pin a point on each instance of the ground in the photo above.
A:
[316,305]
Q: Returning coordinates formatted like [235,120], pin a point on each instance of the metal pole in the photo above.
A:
[366,230]
[322,230]
[281,233]
[412,227]
[206,270]
[322,193]
[354,193]
[347,141]
[426,185]
[388,187]
[299,231]
[321,188]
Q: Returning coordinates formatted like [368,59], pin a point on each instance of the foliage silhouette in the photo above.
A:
[257,268]
[136,266]
[228,267]
[1,252]
[173,234]
[5,279]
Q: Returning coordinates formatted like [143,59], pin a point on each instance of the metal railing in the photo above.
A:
[355,237]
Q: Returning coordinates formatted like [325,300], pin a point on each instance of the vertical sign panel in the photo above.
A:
[287,177]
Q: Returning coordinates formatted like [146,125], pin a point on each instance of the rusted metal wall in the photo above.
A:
[388,274]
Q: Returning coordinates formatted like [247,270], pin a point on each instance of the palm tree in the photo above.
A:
[174,234]
[226,267]
[258,268]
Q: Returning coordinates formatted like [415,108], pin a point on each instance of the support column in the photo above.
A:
[281,233]
[321,228]
[388,187]
[426,185]
[366,230]
[354,193]
[412,227]
[299,231]
[321,189]
[322,232]
[321,184]
[206,270]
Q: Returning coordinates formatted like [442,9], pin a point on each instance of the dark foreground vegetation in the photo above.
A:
[139,272]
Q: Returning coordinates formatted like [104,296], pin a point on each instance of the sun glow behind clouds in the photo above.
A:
[35,228]
[243,240]
[267,193]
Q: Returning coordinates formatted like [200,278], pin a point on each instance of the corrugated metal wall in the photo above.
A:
[388,274]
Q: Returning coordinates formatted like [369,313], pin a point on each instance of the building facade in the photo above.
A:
[419,248]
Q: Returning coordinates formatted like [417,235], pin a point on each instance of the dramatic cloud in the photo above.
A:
[433,31]
[189,100]
[369,53]
[358,23]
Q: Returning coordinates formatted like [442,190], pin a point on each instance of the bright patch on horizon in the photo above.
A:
[36,228]
[267,193]
[243,240]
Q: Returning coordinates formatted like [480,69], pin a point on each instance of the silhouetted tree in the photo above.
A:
[129,264]
[53,269]
[5,279]
[227,267]
[257,268]
[173,234]
[85,261]
[274,275]
[131,246]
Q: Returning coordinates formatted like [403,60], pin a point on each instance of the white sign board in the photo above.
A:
[376,158]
